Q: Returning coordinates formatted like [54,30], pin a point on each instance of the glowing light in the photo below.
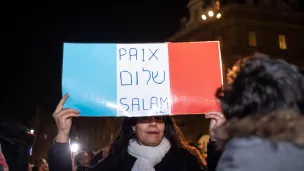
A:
[218,15]
[210,13]
[204,17]
[74,147]
[32,131]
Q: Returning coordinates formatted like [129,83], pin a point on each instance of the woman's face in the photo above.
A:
[150,130]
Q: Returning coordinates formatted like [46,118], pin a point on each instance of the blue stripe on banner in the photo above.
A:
[89,76]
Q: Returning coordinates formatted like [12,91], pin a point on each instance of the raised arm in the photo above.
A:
[60,158]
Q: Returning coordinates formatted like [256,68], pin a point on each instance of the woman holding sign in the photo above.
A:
[142,144]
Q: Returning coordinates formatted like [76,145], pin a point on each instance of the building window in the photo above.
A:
[252,39]
[217,5]
[282,41]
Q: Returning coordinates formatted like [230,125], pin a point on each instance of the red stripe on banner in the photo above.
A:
[195,75]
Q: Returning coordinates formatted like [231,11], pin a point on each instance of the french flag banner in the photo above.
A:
[141,79]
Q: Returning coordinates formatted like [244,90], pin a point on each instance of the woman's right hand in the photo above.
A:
[63,119]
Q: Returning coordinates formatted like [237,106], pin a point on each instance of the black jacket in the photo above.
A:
[175,160]
[213,155]
[16,142]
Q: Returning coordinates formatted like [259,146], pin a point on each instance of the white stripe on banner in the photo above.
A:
[143,83]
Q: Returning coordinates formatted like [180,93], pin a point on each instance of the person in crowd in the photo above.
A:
[15,144]
[264,107]
[91,155]
[214,153]
[29,168]
[42,165]
[142,144]
[100,155]
[82,160]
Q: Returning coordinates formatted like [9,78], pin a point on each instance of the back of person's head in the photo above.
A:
[260,85]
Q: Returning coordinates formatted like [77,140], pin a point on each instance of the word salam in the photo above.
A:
[159,104]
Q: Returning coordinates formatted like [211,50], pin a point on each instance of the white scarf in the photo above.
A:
[148,156]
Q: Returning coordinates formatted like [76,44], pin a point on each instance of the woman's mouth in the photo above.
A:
[152,132]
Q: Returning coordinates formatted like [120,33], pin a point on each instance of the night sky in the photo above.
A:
[34,74]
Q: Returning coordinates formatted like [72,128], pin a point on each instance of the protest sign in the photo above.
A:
[141,79]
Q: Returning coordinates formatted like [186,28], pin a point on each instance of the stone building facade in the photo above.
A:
[274,27]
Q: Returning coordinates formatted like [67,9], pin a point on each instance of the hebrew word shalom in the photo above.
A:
[141,79]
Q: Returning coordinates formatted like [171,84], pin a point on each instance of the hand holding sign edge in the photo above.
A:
[217,119]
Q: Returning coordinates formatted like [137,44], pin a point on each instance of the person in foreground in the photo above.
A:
[264,107]
[15,144]
[142,144]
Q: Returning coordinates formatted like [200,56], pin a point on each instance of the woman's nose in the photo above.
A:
[153,123]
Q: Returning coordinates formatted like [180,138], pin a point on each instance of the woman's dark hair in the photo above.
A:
[120,144]
[258,85]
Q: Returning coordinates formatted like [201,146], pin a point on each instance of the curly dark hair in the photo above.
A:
[260,85]
[119,147]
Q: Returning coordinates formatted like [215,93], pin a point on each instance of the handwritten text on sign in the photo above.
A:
[143,79]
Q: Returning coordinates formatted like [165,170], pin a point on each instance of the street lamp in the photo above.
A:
[210,13]
[218,15]
[204,17]
[74,147]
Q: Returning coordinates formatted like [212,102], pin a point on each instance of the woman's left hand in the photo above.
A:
[217,119]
